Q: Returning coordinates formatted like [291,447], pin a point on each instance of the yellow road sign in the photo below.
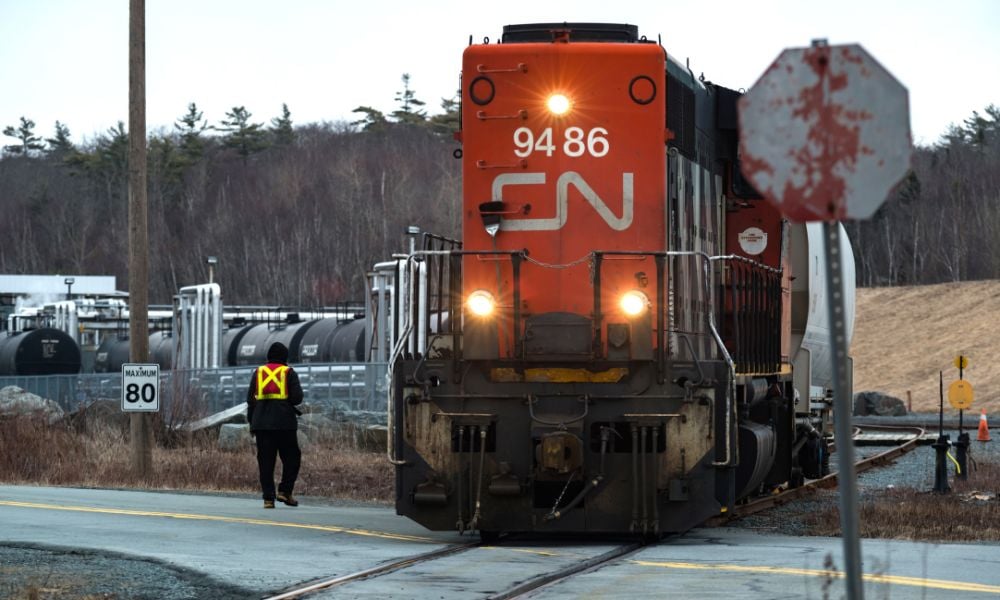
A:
[960,394]
[961,362]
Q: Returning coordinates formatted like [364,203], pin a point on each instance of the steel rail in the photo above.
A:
[374,571]
[828,481]
[529,586]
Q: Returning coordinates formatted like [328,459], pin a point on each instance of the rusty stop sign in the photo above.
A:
[825,133]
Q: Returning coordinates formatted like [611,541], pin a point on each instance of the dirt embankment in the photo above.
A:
[904,336]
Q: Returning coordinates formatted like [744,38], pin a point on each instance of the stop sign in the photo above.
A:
[825,133]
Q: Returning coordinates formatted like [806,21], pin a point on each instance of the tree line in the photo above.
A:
[297,214]
[942,222]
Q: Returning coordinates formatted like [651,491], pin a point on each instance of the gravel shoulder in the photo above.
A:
[34,571]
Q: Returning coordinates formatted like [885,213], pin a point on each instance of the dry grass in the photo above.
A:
[904,336]
[33,452]
[971,512]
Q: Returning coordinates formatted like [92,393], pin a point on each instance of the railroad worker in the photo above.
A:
[273,394]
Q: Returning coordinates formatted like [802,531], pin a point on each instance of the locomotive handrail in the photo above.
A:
[706,264]
[408,330]
[411,333]
[750,261]
[390,373]
[752,297]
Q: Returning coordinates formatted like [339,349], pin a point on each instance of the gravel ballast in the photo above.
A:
[912,470]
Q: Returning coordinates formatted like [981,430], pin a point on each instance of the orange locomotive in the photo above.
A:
[607,348]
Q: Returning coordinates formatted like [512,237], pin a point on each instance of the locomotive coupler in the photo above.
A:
[591,484]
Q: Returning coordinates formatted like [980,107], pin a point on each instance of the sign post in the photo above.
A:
[960,397]
[825,135]
[138,231]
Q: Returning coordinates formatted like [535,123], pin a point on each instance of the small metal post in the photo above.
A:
[211,261]
[962,455]
[842,412]
[962,445]
[941,447]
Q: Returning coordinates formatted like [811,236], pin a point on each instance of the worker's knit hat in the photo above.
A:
[277,353]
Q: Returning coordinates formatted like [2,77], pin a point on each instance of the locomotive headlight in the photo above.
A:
[634,303]
[558,104]
[481,303]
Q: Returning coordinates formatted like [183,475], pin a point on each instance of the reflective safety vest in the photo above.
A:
[272,382]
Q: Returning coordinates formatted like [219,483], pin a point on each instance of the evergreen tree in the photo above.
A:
[450,121]
[191,126]
[281,128]
[25,134]
[60,146]
[409,110]
[112,152]
[166,163]
[241,135]
[953,136]
[980,130]
[373,119]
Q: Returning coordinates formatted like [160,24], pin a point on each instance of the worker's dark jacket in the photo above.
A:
[274,393]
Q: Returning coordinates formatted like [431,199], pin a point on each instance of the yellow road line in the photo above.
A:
[526,551]
[194,517]
[940,584]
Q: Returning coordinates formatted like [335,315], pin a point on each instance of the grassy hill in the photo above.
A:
[904,336]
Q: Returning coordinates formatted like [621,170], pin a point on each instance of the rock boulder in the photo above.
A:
[878,404]
[15,402]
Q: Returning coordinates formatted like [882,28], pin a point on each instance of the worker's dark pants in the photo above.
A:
[270,445]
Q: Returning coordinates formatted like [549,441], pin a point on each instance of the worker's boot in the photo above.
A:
[287,499]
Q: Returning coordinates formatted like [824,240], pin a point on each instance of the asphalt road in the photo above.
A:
[167,545]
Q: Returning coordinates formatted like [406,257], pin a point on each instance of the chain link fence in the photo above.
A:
[340,386]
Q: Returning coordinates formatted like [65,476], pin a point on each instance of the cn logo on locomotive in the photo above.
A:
[562,200]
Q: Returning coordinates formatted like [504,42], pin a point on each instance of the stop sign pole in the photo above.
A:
[825,135]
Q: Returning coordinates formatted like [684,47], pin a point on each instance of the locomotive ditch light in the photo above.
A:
[481,303]
[633,303]
[558,104]
[490,213]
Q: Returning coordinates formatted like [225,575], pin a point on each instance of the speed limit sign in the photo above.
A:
[140,387]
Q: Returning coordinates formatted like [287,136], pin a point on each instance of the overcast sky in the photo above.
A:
[68,59]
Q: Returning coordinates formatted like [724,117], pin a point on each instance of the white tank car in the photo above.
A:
[810,342]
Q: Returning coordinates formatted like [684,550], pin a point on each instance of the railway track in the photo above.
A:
[530,585]
[383,569]
[525,588]
[519,590]
[830,480]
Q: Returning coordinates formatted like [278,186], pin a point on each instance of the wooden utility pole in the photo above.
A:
[138,239]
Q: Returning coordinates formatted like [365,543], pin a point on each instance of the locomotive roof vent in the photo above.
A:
[578,32]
